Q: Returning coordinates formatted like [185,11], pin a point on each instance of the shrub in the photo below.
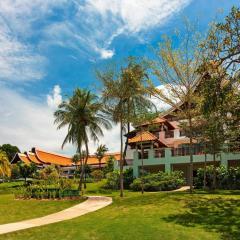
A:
[113,179]
[50,174]
[161,181]
[15,171]
[225,178]
[97,175]
[43,190]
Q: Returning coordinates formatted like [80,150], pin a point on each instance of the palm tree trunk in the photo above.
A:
[126,143]
[121,158]
[86,160]
[80,175]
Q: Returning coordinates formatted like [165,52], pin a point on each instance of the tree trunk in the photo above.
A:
[142,187]
[99,165]
[191,156]
[205,169]
[121,159]
[126,143]
[80,176]
[214,171]
[86,160]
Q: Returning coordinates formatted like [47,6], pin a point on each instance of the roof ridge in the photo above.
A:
[56,154]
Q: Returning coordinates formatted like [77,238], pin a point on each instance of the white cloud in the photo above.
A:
[166,90]
[28,123]
[98,22]
[105,54]
[137,15]
[55,98]
[18,61]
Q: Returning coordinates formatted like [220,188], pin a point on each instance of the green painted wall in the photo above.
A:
[168,160]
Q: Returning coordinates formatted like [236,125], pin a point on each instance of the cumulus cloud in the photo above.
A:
[55,98]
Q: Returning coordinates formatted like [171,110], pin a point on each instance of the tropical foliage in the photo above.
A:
[100,153]
[5,169]
[161,181]
[83,116]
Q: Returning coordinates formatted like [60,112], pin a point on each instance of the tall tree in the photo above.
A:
[220,89]
[82,115]
[100,153]
[176,68]
[125,95]
[10,150]
[5,168]
[222,45]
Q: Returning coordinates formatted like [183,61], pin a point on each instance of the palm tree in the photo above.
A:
[82,115]
[100,153]
[125,96]
[5,169]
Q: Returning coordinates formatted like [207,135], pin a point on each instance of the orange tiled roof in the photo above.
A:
[52,158]
[32,157]
[23,158]
[144,136]
[92,160]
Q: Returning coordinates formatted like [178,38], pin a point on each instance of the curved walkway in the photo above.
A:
[92,204]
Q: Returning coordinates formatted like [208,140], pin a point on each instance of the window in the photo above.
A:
[169,134]
[182,133]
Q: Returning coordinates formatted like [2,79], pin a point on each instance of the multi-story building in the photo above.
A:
[162,146]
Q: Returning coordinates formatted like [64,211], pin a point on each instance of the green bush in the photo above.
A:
[44,190]
[225,178]
[113,179]
[97,175]
[159,182]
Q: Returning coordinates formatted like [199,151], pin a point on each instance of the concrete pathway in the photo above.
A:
[92,204]
[181,189]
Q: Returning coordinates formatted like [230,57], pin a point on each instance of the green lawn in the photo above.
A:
[164,216]
[12,210]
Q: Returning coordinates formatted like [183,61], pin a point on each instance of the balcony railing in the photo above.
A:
[185,151]
[144,156]
[159,153]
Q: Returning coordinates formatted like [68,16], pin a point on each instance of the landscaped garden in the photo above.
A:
[12,209]
[202,215]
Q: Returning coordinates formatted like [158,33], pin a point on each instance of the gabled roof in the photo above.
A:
[22,157]
[52,158]
[144,136]
[32,157]
[41,157]
[159,120]
[92,159]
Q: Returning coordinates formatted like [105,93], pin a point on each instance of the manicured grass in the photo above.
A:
[164,216]
[12,210]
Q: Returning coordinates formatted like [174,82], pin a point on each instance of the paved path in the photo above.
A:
[92,204]
[181,189]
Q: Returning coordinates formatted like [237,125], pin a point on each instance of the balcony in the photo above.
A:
[159,153]
[185,151]
[144,155]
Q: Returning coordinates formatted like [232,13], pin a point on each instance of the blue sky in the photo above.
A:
[50,47]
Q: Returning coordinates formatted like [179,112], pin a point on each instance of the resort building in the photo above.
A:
[43,158]
[162,146]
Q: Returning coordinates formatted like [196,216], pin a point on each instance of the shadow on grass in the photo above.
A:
[219,214]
